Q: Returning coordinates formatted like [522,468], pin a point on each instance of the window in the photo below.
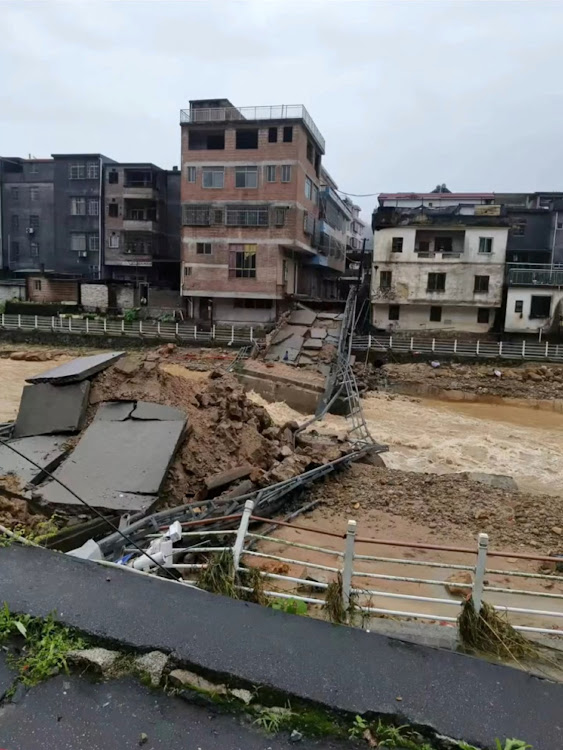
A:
[34,249]
[34,221]
[308,188]
[191,174]
[78,206]
[15,193]
[247,217]
[272,135]
[246,177]
[113,210]
[286,173]
[310,152]
[288,134]
[481,284]
[394,312]
[560,225]
[483,315]
[94,242]
[212,177]
[518,229]
[203,248]
[246,138]
[93,207]
[242,261]
[485,244]
[37,285]
[279,217]
[77,171]
[218,215]
[92,170]
[519,306]
[197,216]
[15,223]
[271,173]
[113,177]
[206,140]
[15,250]
[33,193]
[253,304]
[315,194]
[436,282]
[443,244]
[540,306]
[397,245]
[33,168]
[435,314]
[113,240]
[78,242]
[187,270]
[385,279]
[423,246]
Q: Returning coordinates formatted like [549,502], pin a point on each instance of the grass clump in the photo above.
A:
[46,645]
[220,577]
[334,606]
[490,633]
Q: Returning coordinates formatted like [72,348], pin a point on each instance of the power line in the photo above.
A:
[90,507]
[357,195]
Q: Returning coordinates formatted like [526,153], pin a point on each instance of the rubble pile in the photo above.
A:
[449,501]
[529,380]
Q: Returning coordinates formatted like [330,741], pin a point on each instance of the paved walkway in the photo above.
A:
[343,668]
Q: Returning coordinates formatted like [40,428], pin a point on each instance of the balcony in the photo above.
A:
[236,114]
[131,224]
[546,276]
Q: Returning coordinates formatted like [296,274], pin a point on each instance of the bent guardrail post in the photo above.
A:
[348,564]
[480,568]
[241,533]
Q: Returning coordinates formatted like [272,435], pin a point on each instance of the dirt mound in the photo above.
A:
[225,428]
[13,512]
[528,380]
[450,501]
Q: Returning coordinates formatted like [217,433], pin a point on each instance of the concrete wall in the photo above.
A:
[521,322]
[417,318]
[94,296]
[227,311]
[42,289]
[125,297]
[11,291]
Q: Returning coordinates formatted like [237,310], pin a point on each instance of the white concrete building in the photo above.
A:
[439,262]
[534,299]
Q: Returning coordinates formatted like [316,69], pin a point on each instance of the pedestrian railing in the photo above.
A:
[407,585]
[179,332]
[476,349]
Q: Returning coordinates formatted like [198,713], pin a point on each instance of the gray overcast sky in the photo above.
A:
[407,93]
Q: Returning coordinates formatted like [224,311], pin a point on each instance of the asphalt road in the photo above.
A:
[343,668]
[72,713]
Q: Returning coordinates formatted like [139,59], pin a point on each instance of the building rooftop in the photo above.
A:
[436,196]
[223,111]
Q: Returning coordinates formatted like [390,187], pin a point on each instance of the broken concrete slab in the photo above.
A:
[302,317]
[99,659]
[115,411]
[117,465]
[282,335]
[497,481]
[47,409]
[184,678]
[77,369]
[318,333]
[152,665]
[148,411]
[328,316]
[313,344]
[46,450]
[224,478]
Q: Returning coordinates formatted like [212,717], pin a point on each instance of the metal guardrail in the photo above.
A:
[367,601]
[523,349]
[227,335]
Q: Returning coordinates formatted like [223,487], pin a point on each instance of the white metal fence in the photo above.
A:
[478,349]
[383,584]
[180,332]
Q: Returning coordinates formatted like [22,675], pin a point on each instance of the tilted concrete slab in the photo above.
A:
[343,668]
[47,409]
[148,411]
[329,316]
[318,333]
[114,411]
[313,344]
[117,465]
[302,317]
[45,450]
[77,369]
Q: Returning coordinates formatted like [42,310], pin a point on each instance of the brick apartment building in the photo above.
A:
[250,212]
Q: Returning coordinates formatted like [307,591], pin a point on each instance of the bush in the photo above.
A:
[14,307]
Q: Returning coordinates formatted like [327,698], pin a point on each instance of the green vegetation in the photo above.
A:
[291,606]
[46,645]
[512,745]
[271,721]
[490,633]
[36,535]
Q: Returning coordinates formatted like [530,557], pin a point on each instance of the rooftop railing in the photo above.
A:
[234,114]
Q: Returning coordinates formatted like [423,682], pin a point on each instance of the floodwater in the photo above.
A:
[13,375]
[444,437]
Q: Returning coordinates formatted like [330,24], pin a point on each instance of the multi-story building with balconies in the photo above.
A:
[439,261]
[250,212]
[142,223]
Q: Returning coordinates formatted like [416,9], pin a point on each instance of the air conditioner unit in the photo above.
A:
[83,254]
[30,230]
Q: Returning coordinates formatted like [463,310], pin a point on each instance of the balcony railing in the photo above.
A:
[540,277]
[234,114]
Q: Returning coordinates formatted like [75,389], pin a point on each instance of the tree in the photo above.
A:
[443,188]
